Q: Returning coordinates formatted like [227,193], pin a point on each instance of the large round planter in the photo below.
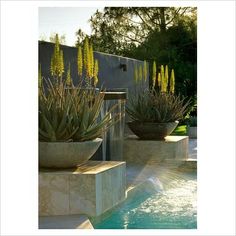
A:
[152,131]
[66,155]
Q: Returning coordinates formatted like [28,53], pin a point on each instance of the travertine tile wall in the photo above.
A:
[144,151]
[90,191]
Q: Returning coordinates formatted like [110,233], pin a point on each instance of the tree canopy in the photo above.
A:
[166,35]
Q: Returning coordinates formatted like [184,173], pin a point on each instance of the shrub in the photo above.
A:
[192,121]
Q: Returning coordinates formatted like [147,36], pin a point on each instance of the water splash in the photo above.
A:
[156,184]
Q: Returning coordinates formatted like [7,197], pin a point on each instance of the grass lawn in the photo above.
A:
[180,130]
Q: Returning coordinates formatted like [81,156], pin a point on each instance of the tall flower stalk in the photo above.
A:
[172,81]
[80,61]
[95,72]
[154,74]
[57,60]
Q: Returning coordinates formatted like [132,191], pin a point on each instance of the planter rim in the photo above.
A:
[140,122]
[76,142]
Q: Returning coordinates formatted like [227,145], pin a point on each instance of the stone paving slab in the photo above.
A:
[65,222]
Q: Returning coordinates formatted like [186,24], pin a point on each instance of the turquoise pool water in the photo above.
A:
[174,207]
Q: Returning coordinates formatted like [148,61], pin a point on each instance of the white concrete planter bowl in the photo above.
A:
[192,132]
[66,155]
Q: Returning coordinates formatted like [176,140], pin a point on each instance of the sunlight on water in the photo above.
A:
[172,208]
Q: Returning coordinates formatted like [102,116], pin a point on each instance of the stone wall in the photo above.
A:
[91,189]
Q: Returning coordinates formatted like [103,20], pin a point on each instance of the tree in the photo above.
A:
[120,28]
[80,38]
[164,34]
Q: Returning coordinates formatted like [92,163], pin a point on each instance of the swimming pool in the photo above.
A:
[151,206]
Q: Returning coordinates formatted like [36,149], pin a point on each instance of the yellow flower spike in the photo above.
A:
[163,86]
[154,72]
[40,76]
[91,59]
[96,72]
[140,72]
[68,77]
[159,79]
[80,61]
[145,71]
[166,77]
[61,67]
[86,58]
[135,73]
[172,81]
[57,60]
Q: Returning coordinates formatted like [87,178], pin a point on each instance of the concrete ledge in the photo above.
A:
[91,189]
[65,222]
[173,148]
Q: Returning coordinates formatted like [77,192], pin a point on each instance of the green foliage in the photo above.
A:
[156,107]
[164,34]
[180,130]
[57,60]
[192,121]
[70,115]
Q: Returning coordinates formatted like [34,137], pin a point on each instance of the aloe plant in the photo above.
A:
[156,107]
[69,115]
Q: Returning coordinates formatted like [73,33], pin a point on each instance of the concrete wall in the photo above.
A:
[110,75]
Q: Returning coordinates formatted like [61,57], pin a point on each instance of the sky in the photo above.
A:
[64,20]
